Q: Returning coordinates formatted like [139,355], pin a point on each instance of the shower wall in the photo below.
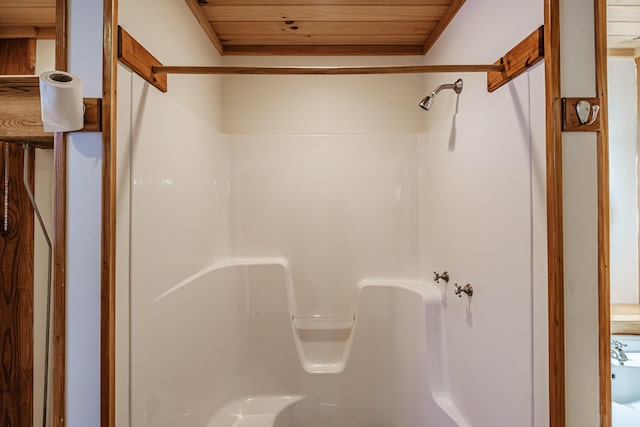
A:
[483,217]
[173,179]
[347,179]
[340,208]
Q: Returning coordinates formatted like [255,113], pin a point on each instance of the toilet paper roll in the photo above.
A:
[61,101]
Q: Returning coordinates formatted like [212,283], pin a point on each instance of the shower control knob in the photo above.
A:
[444,276]
[467,289]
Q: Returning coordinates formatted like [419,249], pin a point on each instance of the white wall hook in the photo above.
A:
[587,113]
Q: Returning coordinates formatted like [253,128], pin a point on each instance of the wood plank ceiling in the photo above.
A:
[623,24]
[28,19]
[315,27]
[324,27]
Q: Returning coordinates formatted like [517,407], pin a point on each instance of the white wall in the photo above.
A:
[480,33]
[173,185]
[580,221]
[623,175]
[322,104]
[84,178]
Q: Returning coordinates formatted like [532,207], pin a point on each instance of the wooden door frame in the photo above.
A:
[557,383]
[555,242]
[58,384]
[109,178]
[604,292]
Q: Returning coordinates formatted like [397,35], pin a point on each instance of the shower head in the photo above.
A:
[427,101]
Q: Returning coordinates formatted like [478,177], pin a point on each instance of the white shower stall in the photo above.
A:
[277,238]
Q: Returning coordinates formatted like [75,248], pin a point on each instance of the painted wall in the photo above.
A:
[623,175]
[84,178]
[580,221]
[173,185]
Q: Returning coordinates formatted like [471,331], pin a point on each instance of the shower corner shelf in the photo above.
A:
[322,322]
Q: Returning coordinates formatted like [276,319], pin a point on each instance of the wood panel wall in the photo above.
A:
[16,264]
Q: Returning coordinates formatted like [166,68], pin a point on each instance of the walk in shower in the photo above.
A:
[277,238]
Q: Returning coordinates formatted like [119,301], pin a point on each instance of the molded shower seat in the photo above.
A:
[253,411]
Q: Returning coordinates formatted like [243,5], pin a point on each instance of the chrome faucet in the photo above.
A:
[617,352]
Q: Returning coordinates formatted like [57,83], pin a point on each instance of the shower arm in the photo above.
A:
[457,87]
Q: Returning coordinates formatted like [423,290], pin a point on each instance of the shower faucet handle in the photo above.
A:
[444,276]
[467,289]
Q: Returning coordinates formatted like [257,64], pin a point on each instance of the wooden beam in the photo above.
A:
[555,226]
[442,24]
[136,57]
[197,11]
[526,54]
[112,40]
[604,292]
[27,32]
[59,374]
[411,69]
[629,52]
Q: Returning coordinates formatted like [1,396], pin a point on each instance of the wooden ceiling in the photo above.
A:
[324,27]
[27,19]
[316,27]
[623,24]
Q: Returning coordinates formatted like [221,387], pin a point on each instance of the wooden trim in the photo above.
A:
[108,270]
[625,319]
[92,115]
[139,59]
[205,24]
[324,50]
[621,52]
[18,56]
[442,24]
[604,291]
[61,35]
[557,404]
[412,69]
[524,55]
[27,32]
[59,374]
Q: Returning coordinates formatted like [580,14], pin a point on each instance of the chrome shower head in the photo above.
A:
[427,101]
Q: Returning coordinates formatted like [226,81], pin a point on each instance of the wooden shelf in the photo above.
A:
[20,115]
[625,319]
